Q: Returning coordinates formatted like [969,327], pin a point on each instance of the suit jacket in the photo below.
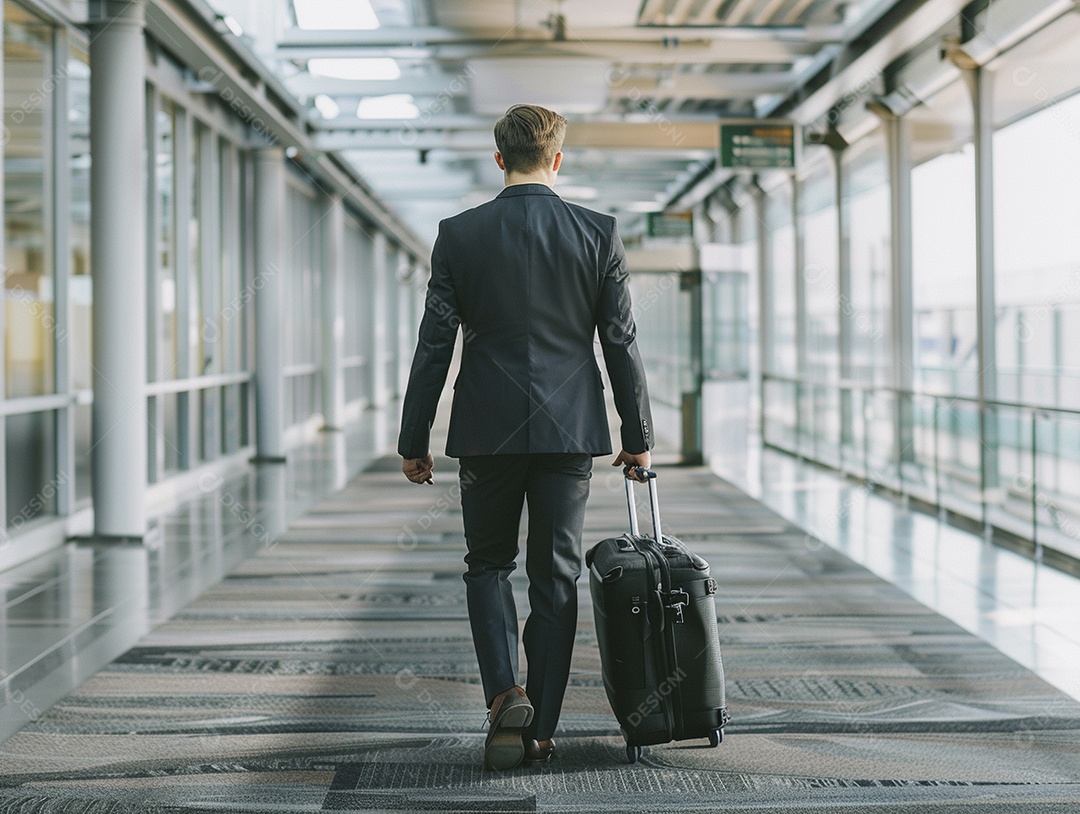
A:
[531,280]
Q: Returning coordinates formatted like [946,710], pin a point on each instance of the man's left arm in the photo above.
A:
[431,362]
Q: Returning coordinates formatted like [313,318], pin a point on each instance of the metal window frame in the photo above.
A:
[56,212]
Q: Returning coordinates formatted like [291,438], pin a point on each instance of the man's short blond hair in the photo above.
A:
[528,136]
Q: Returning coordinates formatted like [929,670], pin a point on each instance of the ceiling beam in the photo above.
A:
[449,121]
[408,36]
[669,136]
[696,51]
[470,121]
[418,193]
[306,85]
[715,85]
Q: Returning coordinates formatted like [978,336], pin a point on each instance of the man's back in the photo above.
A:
[527,269]
[531,278]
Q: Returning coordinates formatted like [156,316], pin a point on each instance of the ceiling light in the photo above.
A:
[355,68]
[326,106]
[340,15]
[390,106]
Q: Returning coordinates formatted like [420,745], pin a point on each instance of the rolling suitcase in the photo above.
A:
[655,612]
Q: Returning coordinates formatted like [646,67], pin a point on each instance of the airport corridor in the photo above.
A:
[334,671]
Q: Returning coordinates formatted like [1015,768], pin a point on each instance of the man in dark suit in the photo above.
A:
[531,280]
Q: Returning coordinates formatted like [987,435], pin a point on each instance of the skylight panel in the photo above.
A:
[339,15]
[390,106]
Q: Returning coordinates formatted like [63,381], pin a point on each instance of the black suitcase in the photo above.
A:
[655,617]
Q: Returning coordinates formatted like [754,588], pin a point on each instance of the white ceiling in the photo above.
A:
[642,82]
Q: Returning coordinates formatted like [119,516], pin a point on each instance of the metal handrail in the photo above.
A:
[22,405]
[1034,412]
[847,384]
[302,369]
[196,383]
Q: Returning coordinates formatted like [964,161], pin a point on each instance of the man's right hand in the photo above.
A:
[629,460]
[419,470]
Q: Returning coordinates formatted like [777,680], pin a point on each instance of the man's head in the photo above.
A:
[529,139]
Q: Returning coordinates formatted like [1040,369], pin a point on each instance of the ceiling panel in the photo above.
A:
[643,83]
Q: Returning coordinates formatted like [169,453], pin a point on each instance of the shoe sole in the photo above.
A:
[504,748]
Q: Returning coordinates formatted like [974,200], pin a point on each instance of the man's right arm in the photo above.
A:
[431,362]
[618,339]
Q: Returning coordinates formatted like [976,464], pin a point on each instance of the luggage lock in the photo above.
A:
[678,600]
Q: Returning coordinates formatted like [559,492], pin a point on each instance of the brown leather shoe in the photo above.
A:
[510,712]
[538,751]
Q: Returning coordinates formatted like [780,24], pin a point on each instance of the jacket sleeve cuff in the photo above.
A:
[637,439]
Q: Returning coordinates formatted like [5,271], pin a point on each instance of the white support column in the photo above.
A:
[981,85]
[390,308]
[766,341]
[804,418]
[154,318]
[845,311]
[377,322]
[404,340]
[419,300]
[333,314]
[3,366]
[269,284]
[117,130]
[183,202]
[209,401]
[901,327]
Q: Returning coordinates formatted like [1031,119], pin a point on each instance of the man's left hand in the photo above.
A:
[419,470]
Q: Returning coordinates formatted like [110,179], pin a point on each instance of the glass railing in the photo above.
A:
[1010,466]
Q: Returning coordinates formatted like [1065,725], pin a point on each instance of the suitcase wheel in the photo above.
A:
[716,737]
[633,753]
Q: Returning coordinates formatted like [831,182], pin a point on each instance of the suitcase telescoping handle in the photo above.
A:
[654,504]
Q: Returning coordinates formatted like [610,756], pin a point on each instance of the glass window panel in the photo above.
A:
[778,222]
[866,201]
[230,321]
[1039,72]
[817,203]
[943,246]
[748,227]
[356,330]
[30,466]
[1037,249]
[30,321]
[165,235]
[80,286]
[195,263]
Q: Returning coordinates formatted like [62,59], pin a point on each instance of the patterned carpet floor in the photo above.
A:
[333,671]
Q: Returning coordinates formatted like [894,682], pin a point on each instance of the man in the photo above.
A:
[531,279]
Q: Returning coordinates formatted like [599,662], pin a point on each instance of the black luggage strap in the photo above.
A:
[675,600]
[639,606]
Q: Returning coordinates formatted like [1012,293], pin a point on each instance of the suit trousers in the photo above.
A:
[493,490]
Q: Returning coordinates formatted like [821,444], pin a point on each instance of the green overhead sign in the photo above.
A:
[670,224]
[757,145]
